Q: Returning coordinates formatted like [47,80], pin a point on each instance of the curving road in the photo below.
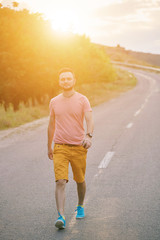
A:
[123,175]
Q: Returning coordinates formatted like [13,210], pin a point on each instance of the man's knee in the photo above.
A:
[81,183]
[61,183]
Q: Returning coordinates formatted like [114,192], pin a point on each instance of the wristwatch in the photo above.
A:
[90,135]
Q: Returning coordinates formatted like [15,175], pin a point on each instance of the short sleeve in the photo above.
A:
[51,108]
[86,105]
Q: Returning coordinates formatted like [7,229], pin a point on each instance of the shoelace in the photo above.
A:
[60,216]
[78,208]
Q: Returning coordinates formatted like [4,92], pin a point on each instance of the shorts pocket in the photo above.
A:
[84,149]
[56,147]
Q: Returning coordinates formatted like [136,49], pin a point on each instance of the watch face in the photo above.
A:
[89,134]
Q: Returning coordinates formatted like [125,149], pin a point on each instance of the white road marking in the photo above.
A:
[145,76]
[97,175]
[138,112]
[129,125]
[72,222]
[106,160]
[142,106]
[152,89]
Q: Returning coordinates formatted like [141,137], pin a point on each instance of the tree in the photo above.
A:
[15,4]
[31,54]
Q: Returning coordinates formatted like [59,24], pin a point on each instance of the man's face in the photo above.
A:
[66,81]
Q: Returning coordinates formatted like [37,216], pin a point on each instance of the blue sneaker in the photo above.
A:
[80,212]
[60,223]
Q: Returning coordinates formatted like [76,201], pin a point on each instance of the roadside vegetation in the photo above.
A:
[99,93]
[96,92]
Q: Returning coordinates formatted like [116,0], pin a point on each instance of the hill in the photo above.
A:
[128,56]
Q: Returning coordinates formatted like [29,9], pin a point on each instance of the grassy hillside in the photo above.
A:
[121,54]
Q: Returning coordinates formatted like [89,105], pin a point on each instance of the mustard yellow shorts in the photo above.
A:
[75,155]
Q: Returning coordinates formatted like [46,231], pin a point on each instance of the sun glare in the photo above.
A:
[66,20]
[63,20]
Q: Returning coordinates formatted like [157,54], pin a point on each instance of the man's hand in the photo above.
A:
[87,142]
[50,153]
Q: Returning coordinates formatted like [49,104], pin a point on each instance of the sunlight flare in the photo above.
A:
[66,20]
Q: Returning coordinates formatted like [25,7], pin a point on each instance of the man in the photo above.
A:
[67,112]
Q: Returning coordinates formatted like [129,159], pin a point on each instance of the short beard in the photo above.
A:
[68,89]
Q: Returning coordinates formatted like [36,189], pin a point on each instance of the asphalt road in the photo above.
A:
[123,175]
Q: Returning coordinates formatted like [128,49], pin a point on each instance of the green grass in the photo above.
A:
[10,119]
[101,92]
[96,92]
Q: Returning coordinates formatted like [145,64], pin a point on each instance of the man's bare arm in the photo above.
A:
[51,129]
[87,142]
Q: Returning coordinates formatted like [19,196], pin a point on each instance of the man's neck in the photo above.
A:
[68,93]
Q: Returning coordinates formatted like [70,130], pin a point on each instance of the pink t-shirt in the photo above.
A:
[69,117]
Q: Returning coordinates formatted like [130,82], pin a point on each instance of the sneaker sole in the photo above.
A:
[60,224]
[78,217]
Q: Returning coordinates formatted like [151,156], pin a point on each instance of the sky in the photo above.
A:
[133,24]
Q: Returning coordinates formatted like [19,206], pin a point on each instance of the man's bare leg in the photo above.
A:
[60,195]
[81,190]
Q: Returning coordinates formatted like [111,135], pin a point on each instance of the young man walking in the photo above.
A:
[67,112]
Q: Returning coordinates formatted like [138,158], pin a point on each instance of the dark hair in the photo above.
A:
[66,69]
